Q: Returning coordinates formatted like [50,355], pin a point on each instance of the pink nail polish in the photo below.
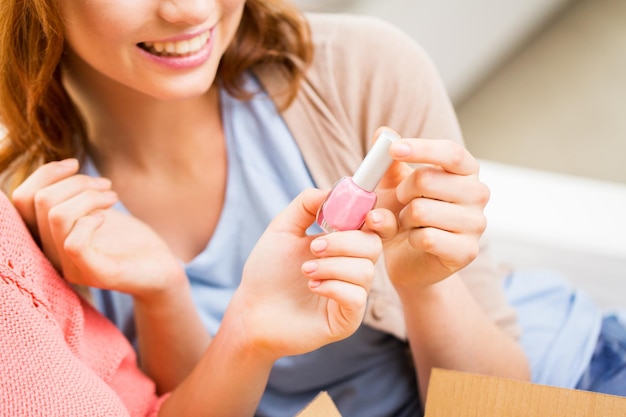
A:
[352,198]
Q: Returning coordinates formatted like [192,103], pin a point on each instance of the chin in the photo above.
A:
[179,92]
[173,97]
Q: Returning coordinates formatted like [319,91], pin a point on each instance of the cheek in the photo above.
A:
[231,12]
[228,6]
[99,33]
[89,45]
[99,22]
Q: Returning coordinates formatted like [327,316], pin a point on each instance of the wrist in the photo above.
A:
[436,292]
[241,336]
[174,291]
[250,332]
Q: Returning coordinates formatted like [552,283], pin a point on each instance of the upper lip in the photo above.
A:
[182,36]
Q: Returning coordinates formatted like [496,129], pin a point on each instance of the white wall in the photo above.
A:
[466,38]
[565,223]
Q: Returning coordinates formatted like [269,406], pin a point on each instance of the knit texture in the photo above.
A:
[59,356]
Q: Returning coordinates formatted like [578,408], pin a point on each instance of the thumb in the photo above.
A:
[382,222]
[300,213]
[397,171]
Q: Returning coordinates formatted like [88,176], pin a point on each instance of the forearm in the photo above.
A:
[228,381]
[448,329]
[171,337]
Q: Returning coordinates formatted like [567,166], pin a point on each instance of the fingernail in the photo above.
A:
[98,214]
[69,162]
[400,149]
[102,182]
[376,217]
[110,195]
[314,283]
[309,267]
[319,245]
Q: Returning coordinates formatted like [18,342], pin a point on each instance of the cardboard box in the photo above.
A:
[459,394]
[321,406]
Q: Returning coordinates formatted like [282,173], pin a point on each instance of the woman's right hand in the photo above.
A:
[54,193]
[90,243]
[300,292]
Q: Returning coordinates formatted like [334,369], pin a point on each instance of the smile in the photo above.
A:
[177,48]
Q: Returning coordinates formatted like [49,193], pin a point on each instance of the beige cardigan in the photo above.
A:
[367,74]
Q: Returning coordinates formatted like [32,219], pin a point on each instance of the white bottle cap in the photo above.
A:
[376,162]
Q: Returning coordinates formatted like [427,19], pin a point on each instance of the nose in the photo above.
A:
[186,11]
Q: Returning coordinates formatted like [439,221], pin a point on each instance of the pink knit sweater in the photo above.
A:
[58,356]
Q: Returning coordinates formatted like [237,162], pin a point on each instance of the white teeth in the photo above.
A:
[182,47]
[195,44]
[179,48]
[158,46]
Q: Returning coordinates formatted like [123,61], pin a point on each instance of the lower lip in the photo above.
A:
[183,62]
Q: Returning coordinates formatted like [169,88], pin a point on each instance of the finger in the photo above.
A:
[434,182]
[355,243]
[425,212]
[453,250]
[82,233]
[62,217]
[448,154]
[395,174]
[66,188]
[77,245]
[300,213]
[350,298]
[356,271]
[23,196]
[56,193]
[382,222]
[58,205]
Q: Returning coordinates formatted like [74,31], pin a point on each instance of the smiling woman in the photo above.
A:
[168,155]
[44,120]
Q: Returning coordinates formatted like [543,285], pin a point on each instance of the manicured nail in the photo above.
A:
[98,214]
[319,245]
[376,217]
[309,267]
[69,162]
[110,195]
[314,283]
[400,149]
[102,182]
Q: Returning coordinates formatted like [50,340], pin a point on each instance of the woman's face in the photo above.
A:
[169,49]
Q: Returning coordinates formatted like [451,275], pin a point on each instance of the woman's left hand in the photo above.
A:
[437,208]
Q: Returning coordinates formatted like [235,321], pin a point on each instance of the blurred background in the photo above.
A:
[540,91]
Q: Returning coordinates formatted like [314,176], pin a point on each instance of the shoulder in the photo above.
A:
[365,73]
[16,248]
[345,31]
[364,46]
[25,271]
[380,75]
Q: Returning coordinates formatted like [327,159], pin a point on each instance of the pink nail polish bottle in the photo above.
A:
[352,198]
